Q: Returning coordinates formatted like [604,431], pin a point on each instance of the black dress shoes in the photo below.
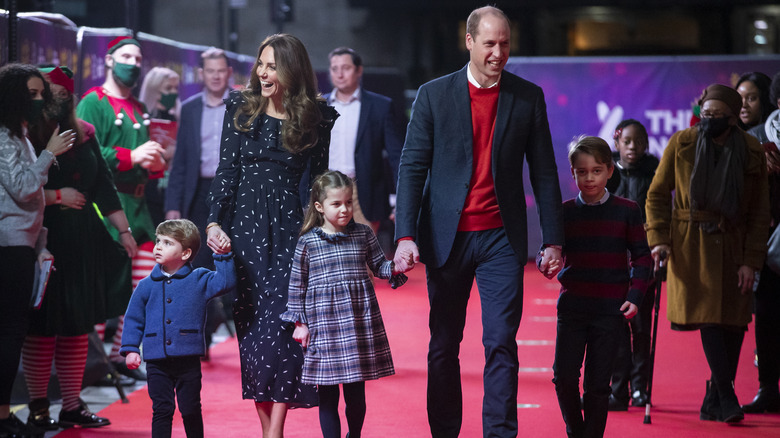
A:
[39,415]
[81,417]
[639,398]
[766,400]
[12,427]
[616,405]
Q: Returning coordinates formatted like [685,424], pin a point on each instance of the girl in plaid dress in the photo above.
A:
[332,303]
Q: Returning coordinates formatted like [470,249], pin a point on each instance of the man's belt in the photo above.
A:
[136,190]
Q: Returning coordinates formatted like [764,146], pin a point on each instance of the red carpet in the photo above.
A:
[396,405]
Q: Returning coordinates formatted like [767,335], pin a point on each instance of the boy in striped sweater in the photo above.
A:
[607,267]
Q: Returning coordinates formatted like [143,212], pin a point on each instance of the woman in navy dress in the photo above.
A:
[274,132]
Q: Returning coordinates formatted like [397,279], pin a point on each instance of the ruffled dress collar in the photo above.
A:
[333,237]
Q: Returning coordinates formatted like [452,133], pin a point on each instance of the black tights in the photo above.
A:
[721,347]
[355,410]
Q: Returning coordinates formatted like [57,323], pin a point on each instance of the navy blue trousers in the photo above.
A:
[599,335]
[488,257]
[178,377]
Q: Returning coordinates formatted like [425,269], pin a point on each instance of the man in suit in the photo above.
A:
[461,199]
[364,139]
[197,151]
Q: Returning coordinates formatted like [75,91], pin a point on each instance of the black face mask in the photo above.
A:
[714,126]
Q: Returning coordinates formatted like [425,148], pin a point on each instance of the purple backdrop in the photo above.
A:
[592,95]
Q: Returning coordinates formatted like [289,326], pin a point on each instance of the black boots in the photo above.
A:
[720,405]
[710,407]
[767,399]
[39,415]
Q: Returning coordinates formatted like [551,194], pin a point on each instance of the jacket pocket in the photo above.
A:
[150,335]
[185,332]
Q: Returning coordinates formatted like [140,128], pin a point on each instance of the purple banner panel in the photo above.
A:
[3,37]
[592,95]
[41,42]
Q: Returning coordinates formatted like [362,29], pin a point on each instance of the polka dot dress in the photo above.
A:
[255,197]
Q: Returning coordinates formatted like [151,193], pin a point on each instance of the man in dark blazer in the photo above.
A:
[461,199]
[365,139]
[197,148]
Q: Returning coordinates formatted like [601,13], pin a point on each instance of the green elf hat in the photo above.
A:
[121,41]
[61,75]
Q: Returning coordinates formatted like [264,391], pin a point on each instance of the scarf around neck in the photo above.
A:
[718,179]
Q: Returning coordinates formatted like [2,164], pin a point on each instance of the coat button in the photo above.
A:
[169,281]
[168,342]
[167,321]
[169,300]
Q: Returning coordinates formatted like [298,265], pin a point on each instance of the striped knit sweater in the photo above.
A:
[598,275]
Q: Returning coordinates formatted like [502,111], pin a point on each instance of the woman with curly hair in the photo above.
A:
[275,132]
[23,93]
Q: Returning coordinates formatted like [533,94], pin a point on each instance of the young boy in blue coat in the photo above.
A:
[167,312]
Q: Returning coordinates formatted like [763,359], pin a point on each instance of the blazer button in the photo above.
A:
[457,211]
[168,342]
[169,281]
[167,321]
[169,300]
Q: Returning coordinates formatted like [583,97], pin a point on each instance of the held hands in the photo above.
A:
[172,214]
[406,255]
[301,334]
[218,240]
[133,360]
[551,262]
[746,276]
[59,143]
[150,156]
[629,309]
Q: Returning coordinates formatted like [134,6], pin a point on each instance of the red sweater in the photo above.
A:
[480,211]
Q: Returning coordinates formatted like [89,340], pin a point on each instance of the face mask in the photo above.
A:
[36,110]
[169,100]
[714,126]
[126,74]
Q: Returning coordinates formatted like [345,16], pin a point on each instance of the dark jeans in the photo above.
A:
[17,269]
[179,376]
[632,363]
[488,257]
[598,334]
[767,302]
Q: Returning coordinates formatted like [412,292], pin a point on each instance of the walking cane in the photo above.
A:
[660,277]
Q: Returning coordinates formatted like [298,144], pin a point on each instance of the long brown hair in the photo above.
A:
[299,131]
[332,179]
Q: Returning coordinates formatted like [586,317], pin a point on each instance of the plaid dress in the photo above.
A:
[331,292]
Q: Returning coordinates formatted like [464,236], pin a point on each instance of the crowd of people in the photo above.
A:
[256,199]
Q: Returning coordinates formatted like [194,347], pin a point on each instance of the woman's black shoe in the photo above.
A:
[81,417]
[766,400]
[13,427]
[730,410]
[710,407]
[39,415]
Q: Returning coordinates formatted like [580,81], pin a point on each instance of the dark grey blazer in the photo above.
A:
[436,165]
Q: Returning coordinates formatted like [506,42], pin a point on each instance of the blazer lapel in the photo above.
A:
[506,101]
[461,103]
[365,110]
